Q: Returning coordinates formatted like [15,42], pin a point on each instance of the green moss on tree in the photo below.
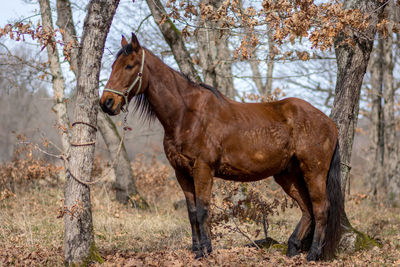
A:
[94,256]
[139,202]
[364,242]
[174,28]
[354,240]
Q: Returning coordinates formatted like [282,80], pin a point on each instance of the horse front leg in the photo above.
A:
[187,185]
[203,181]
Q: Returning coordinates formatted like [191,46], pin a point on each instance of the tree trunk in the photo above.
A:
[352,62]
[79,240]
[391,181]
[376,120]
[66,23]
[214,54]
[264,89]
[124,178]
[174,39]
[58,82]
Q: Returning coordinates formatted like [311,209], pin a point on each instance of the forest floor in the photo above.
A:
[32,235]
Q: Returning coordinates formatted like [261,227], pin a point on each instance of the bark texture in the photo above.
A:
[66,23]
[60,106]
[174,39]
[124,179]
[79,248]
[352,62]
[376,118]
[391,181]
[214,54]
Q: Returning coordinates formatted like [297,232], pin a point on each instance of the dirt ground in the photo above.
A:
[32,235]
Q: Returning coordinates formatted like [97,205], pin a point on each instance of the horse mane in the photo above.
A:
[142,105]
[215,91]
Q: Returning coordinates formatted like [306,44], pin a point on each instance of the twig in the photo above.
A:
[36,146]
[265,226]
[65,156]
[243,233]
[141,23]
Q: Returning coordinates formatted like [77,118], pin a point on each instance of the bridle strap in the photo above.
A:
[126,93]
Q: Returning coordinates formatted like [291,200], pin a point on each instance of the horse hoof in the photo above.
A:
[199,255]
[313,256]
[293,246]
[292,251]
[209,249]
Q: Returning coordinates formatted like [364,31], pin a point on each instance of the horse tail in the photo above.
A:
[333,228]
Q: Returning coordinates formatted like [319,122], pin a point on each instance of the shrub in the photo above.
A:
[24,166]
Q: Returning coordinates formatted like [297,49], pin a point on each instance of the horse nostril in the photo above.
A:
[109,103]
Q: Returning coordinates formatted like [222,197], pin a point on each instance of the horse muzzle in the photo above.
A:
[109,107]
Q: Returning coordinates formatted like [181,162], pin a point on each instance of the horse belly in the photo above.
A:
[255,155]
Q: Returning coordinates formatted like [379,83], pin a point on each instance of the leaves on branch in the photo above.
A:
[320,23]
[45,37]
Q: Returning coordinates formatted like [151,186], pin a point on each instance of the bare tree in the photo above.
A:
[384,144]
[391,181]
[79,247]
[23,98]
[214,54]
[264,88]
[124,179]
[352,62]
[174,39]
[376,119]
[58,82]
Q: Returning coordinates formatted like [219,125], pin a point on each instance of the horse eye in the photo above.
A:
[128,67]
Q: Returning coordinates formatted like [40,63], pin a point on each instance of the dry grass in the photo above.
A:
[31,234]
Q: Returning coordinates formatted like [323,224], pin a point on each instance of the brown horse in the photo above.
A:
[208,135]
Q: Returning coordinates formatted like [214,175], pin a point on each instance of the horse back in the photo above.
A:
[249,141]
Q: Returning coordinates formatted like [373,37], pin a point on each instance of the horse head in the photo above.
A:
[126,79]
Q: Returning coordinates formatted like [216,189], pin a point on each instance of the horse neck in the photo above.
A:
[168,93]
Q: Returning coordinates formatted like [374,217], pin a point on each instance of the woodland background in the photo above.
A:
[250,51]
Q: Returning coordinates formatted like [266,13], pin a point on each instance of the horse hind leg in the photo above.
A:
[323,184]
[293,184]
[315,180]
[320,204]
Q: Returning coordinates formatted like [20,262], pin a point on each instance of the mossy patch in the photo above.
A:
[138,202]
[94,256]
[354,240]
[174,28]
[279,247]
[365,242]
[264,243]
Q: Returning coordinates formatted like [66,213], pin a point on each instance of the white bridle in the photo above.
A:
[126,93]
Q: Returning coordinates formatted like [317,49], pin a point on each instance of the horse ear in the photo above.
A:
[124,42]
[135,42]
